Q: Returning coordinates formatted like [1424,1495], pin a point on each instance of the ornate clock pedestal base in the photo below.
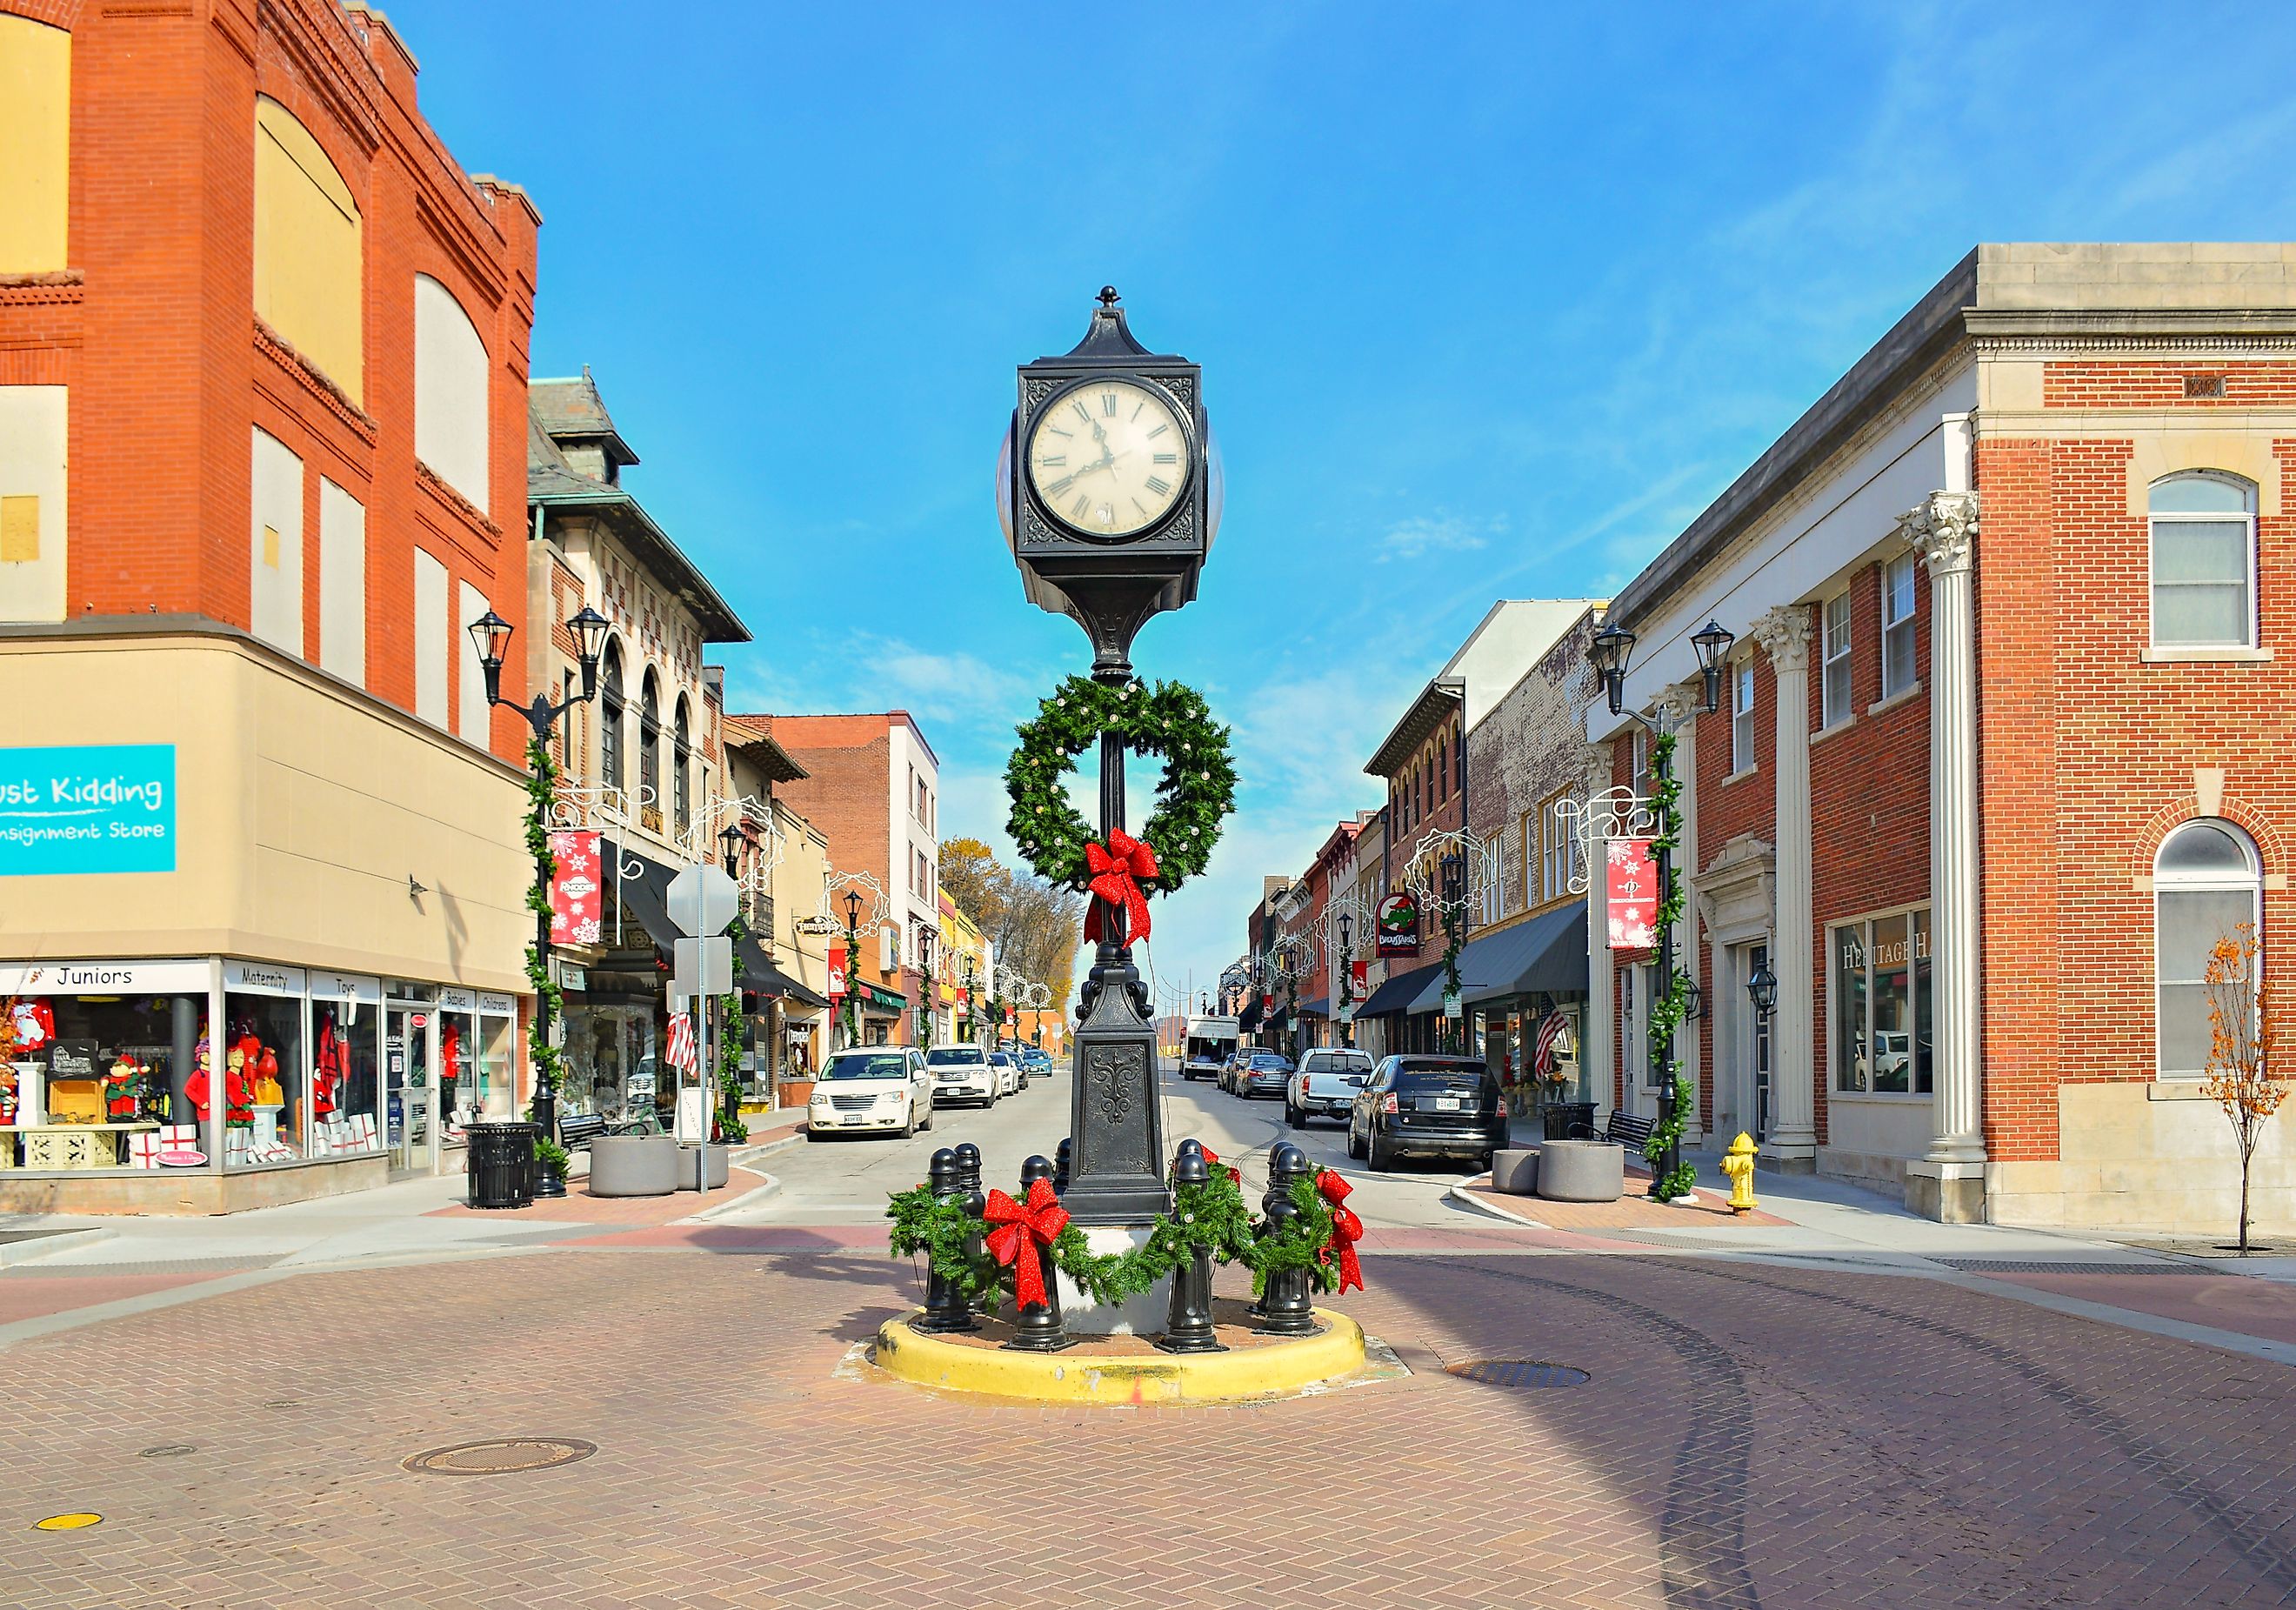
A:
[1116,1173]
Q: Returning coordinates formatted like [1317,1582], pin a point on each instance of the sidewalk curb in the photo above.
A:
[14,1252]
[772,1187]
[1474,1204]
[767,1148]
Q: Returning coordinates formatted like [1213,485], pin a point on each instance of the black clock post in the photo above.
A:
[1118,543]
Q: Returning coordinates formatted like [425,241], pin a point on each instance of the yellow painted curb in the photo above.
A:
[1272,1370]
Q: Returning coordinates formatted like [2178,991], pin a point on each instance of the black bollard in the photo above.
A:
[1039,1329]
[976,1200]
[1060,1156]
[1287,1306]
[1188,1321]
[946,1308]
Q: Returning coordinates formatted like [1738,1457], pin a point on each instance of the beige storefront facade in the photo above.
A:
[319,979]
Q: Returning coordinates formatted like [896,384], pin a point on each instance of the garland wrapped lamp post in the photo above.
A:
[1611,651]
[925,988]
[490,634]
[1108,492]
[852,966]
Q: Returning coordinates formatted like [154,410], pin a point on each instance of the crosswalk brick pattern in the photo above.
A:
[1751,1435]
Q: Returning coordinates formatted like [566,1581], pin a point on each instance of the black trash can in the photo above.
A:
[502,1164]
[1565,1118]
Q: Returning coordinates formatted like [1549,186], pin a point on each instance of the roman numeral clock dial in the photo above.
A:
[1109,457]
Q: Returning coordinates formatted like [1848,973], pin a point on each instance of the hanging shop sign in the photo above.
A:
[88,808]
[1398,925]
[1631,885]
[576,888]
[104,978]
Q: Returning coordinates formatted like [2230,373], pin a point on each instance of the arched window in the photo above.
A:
[650,746]
[451,432]
[2203,560]
[610,719]
[681,759]
[2207,882]
[308,259]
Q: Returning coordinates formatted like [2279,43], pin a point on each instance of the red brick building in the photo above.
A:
[263,364]
[2001,749]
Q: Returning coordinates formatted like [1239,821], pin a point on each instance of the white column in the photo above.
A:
[1681,705]
[1594,1049]
[1942,530]
[1784,634]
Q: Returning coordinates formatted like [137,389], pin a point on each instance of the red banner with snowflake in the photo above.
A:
[577,890]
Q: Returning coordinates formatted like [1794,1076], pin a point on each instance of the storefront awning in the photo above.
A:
[1248,1018]
[884,1002]
[754,970]
[1547,954]
[1398,991]
[1320,1007]
[645,898]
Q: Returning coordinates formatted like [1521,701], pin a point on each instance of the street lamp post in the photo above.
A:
[1613,648]
[1347,1014]
[925,988]
[491,636]
[852,966]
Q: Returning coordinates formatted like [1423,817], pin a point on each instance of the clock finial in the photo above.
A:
[1108,297]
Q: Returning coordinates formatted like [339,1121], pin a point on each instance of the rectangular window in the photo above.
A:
[343,583]
[1533,863]
[275,546]
[1639,775]
[1898,624]
[1837,693]
[2202,582]
[1742,716]
[1881,1006]
[472,716]
[430,630]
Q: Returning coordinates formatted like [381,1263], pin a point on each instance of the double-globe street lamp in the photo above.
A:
[852,966]
[1609,652]
[490,634]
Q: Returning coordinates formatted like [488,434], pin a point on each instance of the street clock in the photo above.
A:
[1109,483]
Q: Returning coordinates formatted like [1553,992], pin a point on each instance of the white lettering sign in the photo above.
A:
[262,978]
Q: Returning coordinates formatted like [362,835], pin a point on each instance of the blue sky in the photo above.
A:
[1491,299]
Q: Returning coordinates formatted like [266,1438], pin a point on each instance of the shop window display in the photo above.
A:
[265,1096]
[82,1077]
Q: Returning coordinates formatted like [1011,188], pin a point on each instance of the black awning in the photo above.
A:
[755,970]
[1320,1007]
[1247,1019]
[1547,954]
[1398,991]
[644,898]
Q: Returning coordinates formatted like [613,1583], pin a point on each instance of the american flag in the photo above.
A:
[681,1040]
[1552,1033]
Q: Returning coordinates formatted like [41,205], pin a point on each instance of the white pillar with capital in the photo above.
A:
[1784,633]
[1948,1182]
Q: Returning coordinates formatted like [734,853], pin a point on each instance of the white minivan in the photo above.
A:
[870,1089]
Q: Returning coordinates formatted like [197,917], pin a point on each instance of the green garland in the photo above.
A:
[1667,1011]
[1169,720]
[1212,1214]
[550,1005]
[731,1130]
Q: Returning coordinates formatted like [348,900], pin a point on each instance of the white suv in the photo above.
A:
[963,1073]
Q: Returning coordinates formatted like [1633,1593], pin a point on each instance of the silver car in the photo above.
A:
[1325,1084]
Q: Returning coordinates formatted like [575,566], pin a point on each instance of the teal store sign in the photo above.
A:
[96,808]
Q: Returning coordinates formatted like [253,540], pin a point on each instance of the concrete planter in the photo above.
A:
[634,1165]
[719,1159]
[1515,1173]
[1582,1171]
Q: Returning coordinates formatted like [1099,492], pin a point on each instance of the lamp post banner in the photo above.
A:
[836,973]
[1632,882]
[575,888]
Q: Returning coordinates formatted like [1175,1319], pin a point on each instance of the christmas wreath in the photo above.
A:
[1169,720]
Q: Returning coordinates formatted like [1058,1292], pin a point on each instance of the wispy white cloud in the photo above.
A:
[1441,532]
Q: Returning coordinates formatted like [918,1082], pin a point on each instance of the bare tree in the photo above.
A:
[1036,924]
[2241,1036]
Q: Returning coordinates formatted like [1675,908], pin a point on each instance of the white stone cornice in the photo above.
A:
[1941,528]
[1678,702]
[1784,633]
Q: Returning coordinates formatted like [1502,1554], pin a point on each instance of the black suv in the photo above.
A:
[1426,1106]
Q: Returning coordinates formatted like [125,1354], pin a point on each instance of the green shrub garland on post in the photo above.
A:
[1212,1214]
[550,1005]
[1669,1010]
[730,1129]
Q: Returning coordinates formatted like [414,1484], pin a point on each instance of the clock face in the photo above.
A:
[1109,457]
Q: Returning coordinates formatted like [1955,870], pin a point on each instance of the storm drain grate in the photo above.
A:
[2032,1266]
[1522,1373]
[501,1456]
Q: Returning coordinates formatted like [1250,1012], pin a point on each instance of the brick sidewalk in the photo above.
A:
[1751,1435]
[1633,1211]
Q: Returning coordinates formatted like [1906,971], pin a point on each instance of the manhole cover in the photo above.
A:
[1518,1372]
[501,1455]
[168,1450]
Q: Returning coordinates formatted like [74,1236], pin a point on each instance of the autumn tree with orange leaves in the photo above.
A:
[2242,1035]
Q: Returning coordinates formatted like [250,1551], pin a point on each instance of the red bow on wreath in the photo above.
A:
[1118,870]
[1347,1229]
[1023,1226]
[1211,1161]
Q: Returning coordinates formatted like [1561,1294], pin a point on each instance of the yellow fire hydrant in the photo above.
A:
[1738,1164]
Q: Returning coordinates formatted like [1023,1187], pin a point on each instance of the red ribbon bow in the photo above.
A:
[1118,870]
[1211,1161]
[1024,1227]
[1347,1229]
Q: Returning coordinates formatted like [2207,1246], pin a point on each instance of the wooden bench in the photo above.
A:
[1629,1131]
[580,1129]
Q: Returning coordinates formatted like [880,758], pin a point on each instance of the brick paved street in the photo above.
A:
[1751,1435]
